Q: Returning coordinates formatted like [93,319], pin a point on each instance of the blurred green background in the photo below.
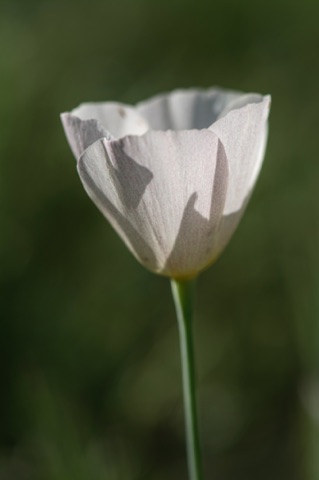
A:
[89,358]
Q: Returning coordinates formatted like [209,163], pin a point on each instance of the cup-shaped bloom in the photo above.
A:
[174,173]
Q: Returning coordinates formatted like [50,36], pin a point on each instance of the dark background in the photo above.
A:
[89,358]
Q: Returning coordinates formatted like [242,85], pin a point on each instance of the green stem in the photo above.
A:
[183,298]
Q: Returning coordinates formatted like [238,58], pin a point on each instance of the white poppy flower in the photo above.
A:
[174,173]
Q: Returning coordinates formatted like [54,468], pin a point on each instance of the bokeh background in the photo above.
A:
[89,359]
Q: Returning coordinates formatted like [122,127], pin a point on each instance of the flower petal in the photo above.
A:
[164,193]
[243,132]
[186,109]
[92,121]
[99,178]
[82,133]
[117,118]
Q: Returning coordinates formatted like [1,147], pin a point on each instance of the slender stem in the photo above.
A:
[183,298]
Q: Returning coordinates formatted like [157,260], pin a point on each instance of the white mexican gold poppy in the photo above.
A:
[173,174]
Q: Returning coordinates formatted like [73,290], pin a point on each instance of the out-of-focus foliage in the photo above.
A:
[89,360]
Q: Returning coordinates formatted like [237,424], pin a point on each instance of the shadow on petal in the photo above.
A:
[217,239]
[194,247]
[130,178]
[192,226]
